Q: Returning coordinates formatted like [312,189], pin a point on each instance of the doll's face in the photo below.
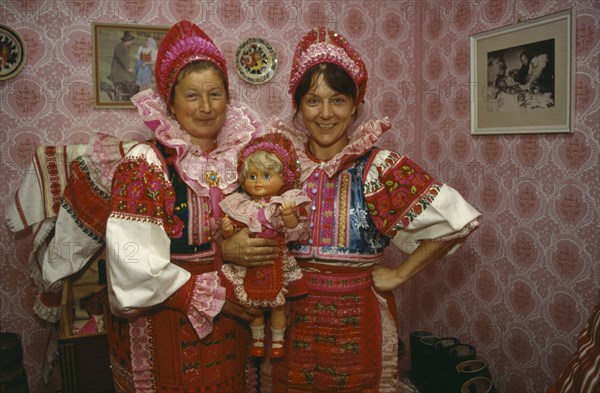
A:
[261,183]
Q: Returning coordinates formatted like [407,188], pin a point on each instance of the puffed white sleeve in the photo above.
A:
[140,272]
[138,232]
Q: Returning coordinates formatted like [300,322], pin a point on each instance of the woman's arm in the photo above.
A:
[428,251]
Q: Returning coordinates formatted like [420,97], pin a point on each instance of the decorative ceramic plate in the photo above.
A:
[12,52]
[255,61]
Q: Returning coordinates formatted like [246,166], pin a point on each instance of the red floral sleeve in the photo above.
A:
[397,191]
[140,192]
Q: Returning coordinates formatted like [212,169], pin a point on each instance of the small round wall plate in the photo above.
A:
[12,52]
[255,61]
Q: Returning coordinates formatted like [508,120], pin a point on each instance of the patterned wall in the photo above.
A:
[523,285]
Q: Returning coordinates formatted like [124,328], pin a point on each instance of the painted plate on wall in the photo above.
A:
[256,61]
[12,52]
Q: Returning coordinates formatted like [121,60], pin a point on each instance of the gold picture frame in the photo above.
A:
[523,77]
[123,62]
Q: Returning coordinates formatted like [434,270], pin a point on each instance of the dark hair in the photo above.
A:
[335,77]
[197,66]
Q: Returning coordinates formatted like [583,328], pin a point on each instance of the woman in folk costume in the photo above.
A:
[342,336]
[271,207]
[172,329]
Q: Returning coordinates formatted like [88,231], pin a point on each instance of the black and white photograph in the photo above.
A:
[522,77]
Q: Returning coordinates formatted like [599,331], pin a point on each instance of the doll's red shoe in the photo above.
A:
[258,347]
[277,349]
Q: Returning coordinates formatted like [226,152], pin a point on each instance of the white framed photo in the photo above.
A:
[523,77]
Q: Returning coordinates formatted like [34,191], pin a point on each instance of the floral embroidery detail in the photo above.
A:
[344,199]
[375,184]
[141,192]
[399,193]
[422,204]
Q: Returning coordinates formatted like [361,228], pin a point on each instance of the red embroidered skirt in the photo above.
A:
[335,341]
[160,351]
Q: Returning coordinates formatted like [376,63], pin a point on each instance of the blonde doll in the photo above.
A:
[270,207]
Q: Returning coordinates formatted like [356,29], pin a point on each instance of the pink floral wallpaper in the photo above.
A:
[523,285]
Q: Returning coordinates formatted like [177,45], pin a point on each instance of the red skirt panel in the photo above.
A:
[335,341]
[161,352]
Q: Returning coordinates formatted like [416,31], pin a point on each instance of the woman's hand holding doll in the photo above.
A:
[267,209]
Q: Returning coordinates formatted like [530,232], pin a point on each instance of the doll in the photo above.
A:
[270,207]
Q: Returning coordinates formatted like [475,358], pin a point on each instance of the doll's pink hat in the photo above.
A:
[283,148]
[322,45]
[184,43]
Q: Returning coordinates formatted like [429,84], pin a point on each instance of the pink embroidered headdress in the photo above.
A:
[184,43]
[283,148]
[322,45]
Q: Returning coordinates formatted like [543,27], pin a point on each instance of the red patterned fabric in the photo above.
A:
[401,193]
[339,324]
[54,168]
[176,359]
[85,202]
[140,191]
[264,282]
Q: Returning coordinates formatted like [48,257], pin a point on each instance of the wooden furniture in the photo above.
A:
[85,365]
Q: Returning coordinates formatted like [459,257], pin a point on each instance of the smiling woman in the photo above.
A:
[199,102]
[327,115]
[363,198]
[171,327]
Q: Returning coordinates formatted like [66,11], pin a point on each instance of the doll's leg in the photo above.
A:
[277,331]
[257,328]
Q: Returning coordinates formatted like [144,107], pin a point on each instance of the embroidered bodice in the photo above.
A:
[365,197]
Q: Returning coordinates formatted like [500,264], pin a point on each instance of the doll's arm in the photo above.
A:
[226,227]
[288,214]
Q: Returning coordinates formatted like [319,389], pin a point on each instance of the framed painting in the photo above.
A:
[523,77]
[124,62]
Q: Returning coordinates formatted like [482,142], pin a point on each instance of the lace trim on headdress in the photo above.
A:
[323,52]
[323,45]
[361,140]
[198,169]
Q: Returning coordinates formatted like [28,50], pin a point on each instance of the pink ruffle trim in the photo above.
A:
[242,208]
[241,125]
[361,140]
[208,298]
[142,354]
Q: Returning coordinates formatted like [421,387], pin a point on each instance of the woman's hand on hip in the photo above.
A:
[385,279]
